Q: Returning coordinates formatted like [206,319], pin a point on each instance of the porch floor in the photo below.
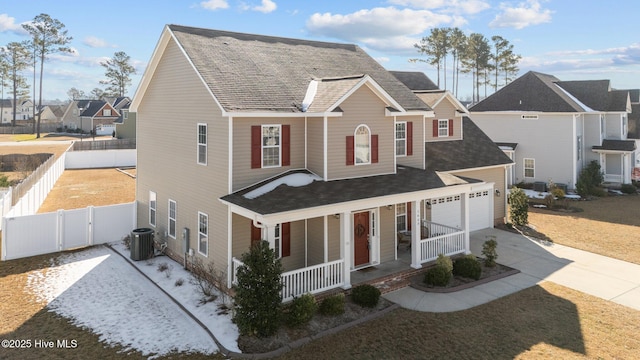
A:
[388,276]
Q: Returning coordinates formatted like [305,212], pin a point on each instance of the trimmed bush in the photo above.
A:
[628,188]
[518,207]
[467,266]
[437,276]
[590,179]
[489,252]
[333,305]
[444,262]
[365,295]
[301,310]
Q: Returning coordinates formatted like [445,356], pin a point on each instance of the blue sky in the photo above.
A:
[573,40]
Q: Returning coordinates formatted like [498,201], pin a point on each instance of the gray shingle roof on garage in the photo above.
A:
[252,73]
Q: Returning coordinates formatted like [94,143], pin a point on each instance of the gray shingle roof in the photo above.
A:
[532,91]
[321,193]
[617,145]
[263,73]
[475,150]
[415,80]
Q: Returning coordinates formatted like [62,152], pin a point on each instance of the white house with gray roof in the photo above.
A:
[553,128]
[311,146]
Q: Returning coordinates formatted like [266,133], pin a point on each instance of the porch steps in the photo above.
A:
[393,282]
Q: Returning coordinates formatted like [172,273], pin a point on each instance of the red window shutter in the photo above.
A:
[409,217]
[435,128]
[285,233]
[286,145]
[409,138]
[256,147]
[374,149]
[350,151]
[256,234]
[450,127]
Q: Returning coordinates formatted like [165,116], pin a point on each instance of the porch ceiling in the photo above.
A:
[285,198]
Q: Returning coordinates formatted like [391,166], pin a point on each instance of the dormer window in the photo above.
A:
[363,145]
[443,128]
[106,112]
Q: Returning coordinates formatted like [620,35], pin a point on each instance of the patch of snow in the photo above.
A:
[585,107]
[99,290]
[532,194]
[310,95]
[293,180]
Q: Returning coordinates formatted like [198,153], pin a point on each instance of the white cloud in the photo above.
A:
[94,42]
[379,28]
[266,7]
[8,24]
[214,4]
[524,14]
[447,6]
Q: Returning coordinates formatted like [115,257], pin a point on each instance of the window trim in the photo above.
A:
[106,112]
[201,234]
[401,214]
[153,199]
[355,145]
[401,139]
[525,168]
[277,240]
[279,146]
[201,144]
[440,128]
[174,219]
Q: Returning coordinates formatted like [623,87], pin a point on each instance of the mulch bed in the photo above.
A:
[458,283]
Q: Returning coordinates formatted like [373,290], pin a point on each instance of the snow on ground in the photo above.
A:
[98,289]
[532,194]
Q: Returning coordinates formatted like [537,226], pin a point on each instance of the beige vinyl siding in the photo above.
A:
[494,175]
[127,130]
[315,145]
[297,258]
[241,235]
[315,241]
[167,162]
[362,107]
[243,174]
[445,110]
[334,238]
[387,234]
[417,159]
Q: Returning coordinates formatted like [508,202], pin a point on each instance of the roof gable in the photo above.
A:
[255,73]
[532,91]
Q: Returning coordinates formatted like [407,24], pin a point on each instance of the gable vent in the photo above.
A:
[530,117]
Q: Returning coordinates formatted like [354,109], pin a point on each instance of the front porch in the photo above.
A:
[319,278]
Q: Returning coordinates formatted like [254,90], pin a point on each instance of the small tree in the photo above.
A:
[489,252]
[590,178]
[518,207]
[258,300]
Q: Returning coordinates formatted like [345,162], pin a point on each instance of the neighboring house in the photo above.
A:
[126,123]
[24,110]
[91,115]
[553,128]
[311,146]
[472,154]
[51,113]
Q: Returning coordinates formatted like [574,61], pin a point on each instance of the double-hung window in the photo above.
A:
[172,218]
[202,144]
[271,145]
[443,128]
[529,168]
[152,208]
[401,138]
[203,233]
[401,217]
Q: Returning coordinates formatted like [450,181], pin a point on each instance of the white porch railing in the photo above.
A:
[312,279]
[442,239]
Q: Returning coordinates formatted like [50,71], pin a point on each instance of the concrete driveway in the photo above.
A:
[596,275]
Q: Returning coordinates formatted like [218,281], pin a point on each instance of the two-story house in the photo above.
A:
[554,128]
[23,110]
[311,146]
[89,115]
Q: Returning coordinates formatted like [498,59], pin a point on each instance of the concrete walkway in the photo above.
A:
[596,275]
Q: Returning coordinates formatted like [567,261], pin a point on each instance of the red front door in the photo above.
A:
[361,238]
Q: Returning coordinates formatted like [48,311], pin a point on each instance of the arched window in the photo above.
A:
[363,145]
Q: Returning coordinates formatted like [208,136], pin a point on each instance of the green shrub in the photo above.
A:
[518,207]
[333,305]
[4,181]
[258,300]
[558,193]
[467,266]
[628,188]
[301,310]
[437,276]
[445,262]
[489,252]
[590,178]
[365,295]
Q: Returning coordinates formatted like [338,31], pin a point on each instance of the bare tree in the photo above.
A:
[75,94]
[4,75]
[50,36]
[118,72]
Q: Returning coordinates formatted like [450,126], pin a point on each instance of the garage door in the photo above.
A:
[447,210]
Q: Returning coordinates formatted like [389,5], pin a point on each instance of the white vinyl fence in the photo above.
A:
[31,235]
[5,202]
[100,159]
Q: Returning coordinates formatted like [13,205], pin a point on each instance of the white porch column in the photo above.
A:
[416,235]
[345,247]
[269,234]
[464,217]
